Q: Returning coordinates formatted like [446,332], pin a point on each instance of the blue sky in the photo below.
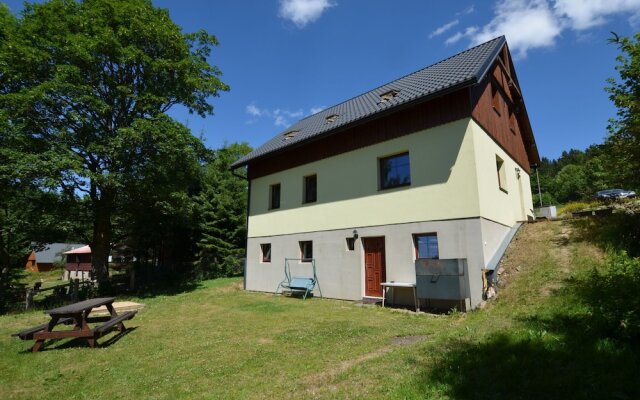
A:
[285,59]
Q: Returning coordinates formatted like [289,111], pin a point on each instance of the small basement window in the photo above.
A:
[266,252]
[502,174]
[306,250]
[386,96]
[426,245]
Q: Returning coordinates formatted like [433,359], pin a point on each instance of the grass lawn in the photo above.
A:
[534,341]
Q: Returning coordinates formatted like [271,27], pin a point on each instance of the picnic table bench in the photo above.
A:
[77,314]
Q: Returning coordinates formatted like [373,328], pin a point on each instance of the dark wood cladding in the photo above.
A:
[504,118]
[499,108]
[429,114]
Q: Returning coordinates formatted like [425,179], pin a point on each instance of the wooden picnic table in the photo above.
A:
[78,315]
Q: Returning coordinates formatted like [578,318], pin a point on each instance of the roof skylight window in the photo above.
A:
[386,96]
[331,118]
[289,135]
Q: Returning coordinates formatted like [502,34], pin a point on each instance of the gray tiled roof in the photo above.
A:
[462,69]
[52,252]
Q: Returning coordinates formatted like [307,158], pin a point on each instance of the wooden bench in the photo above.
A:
[107,326]
[27,334]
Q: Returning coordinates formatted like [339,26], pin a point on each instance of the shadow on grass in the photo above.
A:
[535,367]
[61,344]
[617,232]
[581,351]
[163,285]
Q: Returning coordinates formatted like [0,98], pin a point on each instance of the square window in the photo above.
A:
[310,194]
[274,196]
[426,245]
[266,252]
[351,243]
[306,250]
[395,171]
[502,175]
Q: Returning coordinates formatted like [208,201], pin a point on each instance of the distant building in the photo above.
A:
[78,264]
[44,260]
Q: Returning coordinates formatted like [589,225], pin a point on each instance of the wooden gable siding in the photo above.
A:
[444,109]
[498,107]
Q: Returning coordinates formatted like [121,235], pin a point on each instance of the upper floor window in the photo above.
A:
[502,174]
[395,171]
[274,196]
[310,192]
[426,245]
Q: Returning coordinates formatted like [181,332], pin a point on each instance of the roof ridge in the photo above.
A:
[397,79]
[467,68]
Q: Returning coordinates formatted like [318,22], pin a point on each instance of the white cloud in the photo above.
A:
[283,117]
[468,10]
[254,111]
[585,14]
[531,24]
[315,110]
[444,28]
[303,12]
[527,24]
[280,117]
[470,31]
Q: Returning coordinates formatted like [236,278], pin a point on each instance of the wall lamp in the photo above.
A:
[518,172]
[355,233]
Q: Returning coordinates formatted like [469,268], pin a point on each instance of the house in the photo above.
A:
[78,265]
[433,166]
[51,253]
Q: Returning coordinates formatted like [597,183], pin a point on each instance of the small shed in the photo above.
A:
[44,260]
[78,264]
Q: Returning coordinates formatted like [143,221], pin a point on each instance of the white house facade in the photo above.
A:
[411,170]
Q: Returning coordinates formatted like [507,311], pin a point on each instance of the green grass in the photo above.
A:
[533,341]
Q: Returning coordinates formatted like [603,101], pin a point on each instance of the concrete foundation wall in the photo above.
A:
[341,271]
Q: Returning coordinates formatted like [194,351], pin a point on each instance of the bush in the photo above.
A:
[612,296]
[576,206]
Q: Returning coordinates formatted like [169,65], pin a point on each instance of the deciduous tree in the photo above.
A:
[86,86]
[624,130]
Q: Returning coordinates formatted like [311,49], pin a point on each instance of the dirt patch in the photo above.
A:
[531,239]
[407,340]
[319,381]
[234,287]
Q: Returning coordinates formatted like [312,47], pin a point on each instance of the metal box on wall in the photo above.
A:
[444,279]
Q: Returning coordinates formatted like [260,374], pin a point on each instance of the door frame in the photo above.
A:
[383,267]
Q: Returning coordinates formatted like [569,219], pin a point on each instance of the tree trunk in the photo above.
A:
[101,243]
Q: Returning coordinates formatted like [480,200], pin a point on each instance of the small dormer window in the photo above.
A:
[331,118]
[386,96]
[290,135]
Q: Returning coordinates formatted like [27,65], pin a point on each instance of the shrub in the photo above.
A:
[576,206]
[612,296]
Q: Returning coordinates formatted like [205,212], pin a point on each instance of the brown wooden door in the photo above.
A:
[374,266]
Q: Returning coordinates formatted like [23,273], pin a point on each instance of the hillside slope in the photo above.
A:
[536,340]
